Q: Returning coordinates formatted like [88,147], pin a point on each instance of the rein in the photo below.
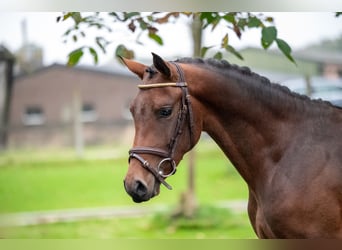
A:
[167,156]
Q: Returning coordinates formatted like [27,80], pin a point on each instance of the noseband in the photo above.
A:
[167,156]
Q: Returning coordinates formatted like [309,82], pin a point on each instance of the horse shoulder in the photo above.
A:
[304,200]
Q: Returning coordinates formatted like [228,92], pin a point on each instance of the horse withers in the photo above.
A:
[287,147]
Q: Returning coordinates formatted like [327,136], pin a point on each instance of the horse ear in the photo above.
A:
[136,67]
[161,65]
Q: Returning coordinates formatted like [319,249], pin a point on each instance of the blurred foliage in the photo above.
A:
[147,23]
[206,216]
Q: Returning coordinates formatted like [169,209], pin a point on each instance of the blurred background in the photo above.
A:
[65,131]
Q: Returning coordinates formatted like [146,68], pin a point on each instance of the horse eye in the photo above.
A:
[165,112]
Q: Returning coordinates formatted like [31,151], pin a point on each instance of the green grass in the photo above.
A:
[209,223]
[47,181]
[57,185]
[33,180]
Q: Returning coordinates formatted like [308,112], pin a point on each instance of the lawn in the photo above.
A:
[49,180]
[210,223]
[30,182]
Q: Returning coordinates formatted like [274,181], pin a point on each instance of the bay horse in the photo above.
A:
[287,147]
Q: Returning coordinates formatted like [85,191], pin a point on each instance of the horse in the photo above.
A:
[286,146]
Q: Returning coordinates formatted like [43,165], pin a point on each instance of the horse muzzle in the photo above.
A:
[138,190]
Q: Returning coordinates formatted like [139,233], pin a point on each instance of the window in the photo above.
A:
[33,116]
[88,113]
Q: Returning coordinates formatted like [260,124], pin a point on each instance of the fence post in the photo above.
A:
[8,59]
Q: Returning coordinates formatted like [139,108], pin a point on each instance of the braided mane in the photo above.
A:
[265,85]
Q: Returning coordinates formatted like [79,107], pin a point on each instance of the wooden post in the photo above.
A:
[188,202]
[308,85]
[8,59]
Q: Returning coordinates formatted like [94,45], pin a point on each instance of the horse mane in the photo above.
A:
[230,70]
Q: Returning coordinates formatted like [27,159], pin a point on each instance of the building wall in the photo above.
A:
[332,71]
[53,89]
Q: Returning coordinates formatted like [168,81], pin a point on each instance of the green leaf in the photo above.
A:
[75,56]
[210,18]
[225,40]
[268,35]
[230,17]
[122,51]
[242,23]
[101,42]
[67,15]
[68,32]
[286,49]
[77,17]
[215,22]
[234,52]
[128,15]
[94,54]
[218,56]
[269,19]
[207,16]
[143,24]
[254,22]
[204,50]
[156,38]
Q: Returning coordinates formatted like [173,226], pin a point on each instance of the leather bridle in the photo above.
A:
[167,156]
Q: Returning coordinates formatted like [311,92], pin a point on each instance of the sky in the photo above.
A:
[299,29]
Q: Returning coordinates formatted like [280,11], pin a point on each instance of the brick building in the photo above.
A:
[44,103]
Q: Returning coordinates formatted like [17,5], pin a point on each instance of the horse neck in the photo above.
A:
[248,128]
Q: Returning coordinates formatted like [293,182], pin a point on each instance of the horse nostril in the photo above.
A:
[137,190]
[140,189]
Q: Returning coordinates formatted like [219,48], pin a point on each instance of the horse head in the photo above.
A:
[164,127]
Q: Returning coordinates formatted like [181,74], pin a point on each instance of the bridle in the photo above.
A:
[167,156]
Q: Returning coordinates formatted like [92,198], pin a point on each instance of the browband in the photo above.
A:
[161,85]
